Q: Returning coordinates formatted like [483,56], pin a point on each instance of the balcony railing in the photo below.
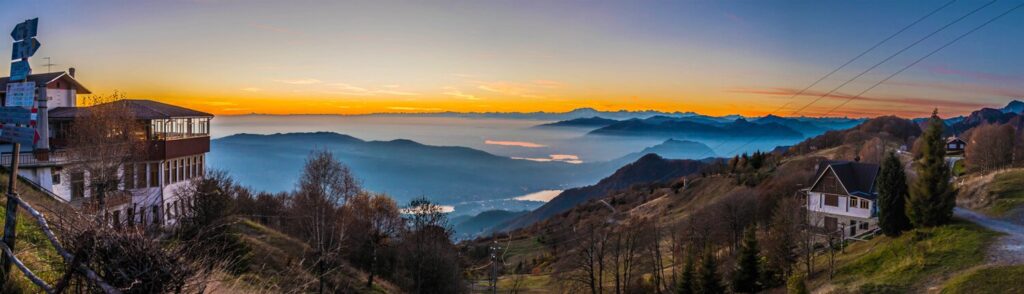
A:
[89,205]
[29,159]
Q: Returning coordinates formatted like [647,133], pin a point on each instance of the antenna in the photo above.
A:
[48,64]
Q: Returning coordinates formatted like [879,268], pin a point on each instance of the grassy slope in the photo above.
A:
[999,279]
[276,265]
[912,262]
[1007,191]
[31,246]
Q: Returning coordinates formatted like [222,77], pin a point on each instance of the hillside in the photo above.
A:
[678,149]
[586,122]
[649,168]
[471,226]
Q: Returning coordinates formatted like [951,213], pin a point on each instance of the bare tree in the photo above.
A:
[102,140]
[324,186]
[373,221]
[990,146]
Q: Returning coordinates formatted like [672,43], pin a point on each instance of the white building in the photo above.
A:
[176,138]
[843,197]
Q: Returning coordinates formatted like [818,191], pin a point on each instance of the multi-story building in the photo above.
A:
[843,198]
[176,141]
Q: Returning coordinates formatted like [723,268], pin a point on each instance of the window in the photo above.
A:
[154,174]
[156,215]
[167,173]
[181,169]
[129,176]
[864,203]
[864,225]
[202,158]
[130,218]
[140,176]
[853,201]
[142,216]
[831,223]
[55,177]
[77,185]
[832,200]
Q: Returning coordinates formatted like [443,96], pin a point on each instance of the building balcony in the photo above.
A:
[114,200]
[174,148]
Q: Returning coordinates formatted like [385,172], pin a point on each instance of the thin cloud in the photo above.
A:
[252,89]
[406,108]
[451,91]
[300,81]
[523,144]
[913,101]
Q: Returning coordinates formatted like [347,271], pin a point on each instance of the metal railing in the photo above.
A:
[28,159]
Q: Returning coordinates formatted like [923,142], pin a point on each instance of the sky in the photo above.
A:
[358,57]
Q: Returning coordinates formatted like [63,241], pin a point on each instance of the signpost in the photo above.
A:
[20,70]
[21,94]
[16,128]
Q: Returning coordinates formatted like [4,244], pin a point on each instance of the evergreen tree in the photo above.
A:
[932,196]
[708,280]
[892,197]
[687,280]
[747,275]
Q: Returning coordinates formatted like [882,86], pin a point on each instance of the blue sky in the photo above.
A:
[716,57]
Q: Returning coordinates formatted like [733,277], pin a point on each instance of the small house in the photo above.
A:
[843,198]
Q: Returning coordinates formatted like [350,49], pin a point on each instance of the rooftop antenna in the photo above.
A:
[48,64]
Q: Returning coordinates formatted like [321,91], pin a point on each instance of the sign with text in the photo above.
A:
[16,134]
[25,49]
[15,115]
[21,94]
[20,70]
[25,30]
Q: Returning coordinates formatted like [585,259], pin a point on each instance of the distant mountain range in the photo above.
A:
[650,168]
[586,122]
[402,168]
[696,126]
[1012,113]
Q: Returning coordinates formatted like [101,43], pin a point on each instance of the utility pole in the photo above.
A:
[494,266]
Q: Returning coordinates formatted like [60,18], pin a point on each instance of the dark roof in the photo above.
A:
[46,78]
[857,177]
[143,109]
[955,139]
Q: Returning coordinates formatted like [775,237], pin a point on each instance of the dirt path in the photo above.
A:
[1008,249]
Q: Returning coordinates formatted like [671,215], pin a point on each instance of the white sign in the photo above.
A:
[21,94]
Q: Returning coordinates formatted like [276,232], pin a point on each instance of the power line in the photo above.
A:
[833,72]
[904,49]
[926,56]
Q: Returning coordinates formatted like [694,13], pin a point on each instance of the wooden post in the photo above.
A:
[11,218]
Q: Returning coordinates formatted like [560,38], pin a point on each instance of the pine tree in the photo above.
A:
[747,275]
[932,196]
[687,280]
[708,280]
[892,197]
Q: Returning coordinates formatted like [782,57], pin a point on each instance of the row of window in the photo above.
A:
[175,128]
[143,175]
[173,209]
[181,169]
[833,200]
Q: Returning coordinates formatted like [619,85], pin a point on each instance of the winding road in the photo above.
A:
[1008,249]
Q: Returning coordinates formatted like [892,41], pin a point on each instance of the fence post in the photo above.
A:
[11,218]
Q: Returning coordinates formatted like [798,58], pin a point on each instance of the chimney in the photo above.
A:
[71,72]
